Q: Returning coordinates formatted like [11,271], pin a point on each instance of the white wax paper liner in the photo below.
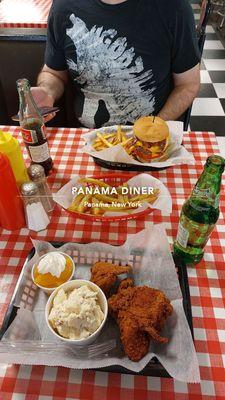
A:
[176,153]
[64,196]
[157,270]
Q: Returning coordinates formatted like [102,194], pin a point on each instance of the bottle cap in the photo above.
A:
[36,172]
[216,161]
[22,82]
[29,189]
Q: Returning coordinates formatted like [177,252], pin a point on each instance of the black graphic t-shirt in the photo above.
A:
[121,57]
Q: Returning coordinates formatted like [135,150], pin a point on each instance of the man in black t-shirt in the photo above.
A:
[127,58]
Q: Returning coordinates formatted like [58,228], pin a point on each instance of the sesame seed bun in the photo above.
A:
[148,131]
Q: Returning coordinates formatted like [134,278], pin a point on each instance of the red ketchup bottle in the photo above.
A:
[11,205]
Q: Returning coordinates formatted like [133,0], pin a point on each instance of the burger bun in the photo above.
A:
[152,138]
[151,129]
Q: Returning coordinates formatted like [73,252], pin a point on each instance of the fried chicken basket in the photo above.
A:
[22,350]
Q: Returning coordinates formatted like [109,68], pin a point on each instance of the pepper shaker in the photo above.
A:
[37,174]
[35,214]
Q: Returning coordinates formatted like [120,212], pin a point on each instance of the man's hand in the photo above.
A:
[43,99]
[50,87]
[186,87]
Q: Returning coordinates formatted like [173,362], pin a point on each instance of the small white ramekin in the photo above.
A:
[51,290]
[68,286]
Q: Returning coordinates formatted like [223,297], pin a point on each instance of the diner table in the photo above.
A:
[206,280]
[24,13]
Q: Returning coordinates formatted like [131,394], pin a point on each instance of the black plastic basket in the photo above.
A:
[154,367]
[125,166]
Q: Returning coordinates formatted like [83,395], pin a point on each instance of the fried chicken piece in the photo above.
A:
[104,274]
[134,340]
[125,283]
[141,313]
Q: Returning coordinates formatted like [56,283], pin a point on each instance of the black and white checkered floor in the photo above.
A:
[208,112]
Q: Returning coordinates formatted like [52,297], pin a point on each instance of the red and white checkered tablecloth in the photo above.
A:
[207,286]
[24,13]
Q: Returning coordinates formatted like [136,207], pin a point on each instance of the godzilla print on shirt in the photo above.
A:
[114,75]
[120,57]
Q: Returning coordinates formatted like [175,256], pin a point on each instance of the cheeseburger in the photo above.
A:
[152,134]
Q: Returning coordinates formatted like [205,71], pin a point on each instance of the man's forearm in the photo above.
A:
[52,83]
[179,100]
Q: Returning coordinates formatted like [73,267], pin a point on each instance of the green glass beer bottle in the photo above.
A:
[200,212]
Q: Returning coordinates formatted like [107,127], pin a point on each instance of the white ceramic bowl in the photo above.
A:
[68,286]
[51,290]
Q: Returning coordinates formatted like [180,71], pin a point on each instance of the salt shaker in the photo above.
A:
[37,174]
[36,216]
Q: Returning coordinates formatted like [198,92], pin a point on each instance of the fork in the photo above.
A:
[29,346]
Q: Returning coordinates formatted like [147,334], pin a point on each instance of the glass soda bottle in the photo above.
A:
[200,212]
[33,127]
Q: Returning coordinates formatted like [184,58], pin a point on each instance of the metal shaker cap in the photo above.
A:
[36,172]
[29,189]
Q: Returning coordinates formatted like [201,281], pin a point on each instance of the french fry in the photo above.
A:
[99,147]
[75,202]
[97,211]
[105,141]
[115,140]
[124,138]
[119,189]
[125,196]
[119,134]
[81,207]
[121,199]
[150,198]
[109,135]
[126,142]
[99,144]
[106,199]
[142,198]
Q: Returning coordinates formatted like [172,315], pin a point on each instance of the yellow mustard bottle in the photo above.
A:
[11,148]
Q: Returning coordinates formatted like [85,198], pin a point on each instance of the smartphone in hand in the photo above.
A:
[43,110]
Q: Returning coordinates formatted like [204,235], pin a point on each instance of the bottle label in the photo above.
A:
[192,233]
[202,192]
[182,235]
[29,136]
[39,153]
[207,196]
